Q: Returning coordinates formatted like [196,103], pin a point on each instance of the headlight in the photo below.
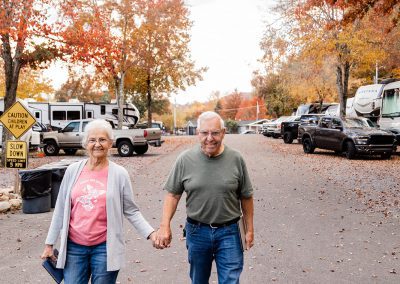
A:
[362,140]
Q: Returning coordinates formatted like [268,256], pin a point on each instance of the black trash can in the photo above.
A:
[36,190]
[57,175]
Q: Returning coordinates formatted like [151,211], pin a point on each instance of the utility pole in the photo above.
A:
[174,114]
[376,72]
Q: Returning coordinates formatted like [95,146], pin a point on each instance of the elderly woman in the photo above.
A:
[94,196]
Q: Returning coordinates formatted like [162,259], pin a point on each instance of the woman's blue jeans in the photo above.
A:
[84,262]
[205,244]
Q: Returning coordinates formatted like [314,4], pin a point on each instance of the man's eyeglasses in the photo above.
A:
[215,133]
[100,140]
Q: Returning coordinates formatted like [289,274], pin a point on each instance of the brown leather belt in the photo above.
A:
[212,225]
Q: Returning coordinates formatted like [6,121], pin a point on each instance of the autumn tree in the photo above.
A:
[85,88]
[230,105]
[275,93]
[312,29]
[101,34]
[24,27]
[358,9]
[160,104]
[161,44]
[31,84]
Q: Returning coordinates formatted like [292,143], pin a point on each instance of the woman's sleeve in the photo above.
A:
[131,210]
[58,214]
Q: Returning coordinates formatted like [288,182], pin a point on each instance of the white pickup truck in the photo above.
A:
[126,141]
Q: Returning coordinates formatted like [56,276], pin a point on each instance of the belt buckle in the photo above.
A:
[212,227]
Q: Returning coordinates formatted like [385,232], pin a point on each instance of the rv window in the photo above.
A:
[115,111]
[89,114]
[74,114]
[37,114]
[59,115]
[103,109]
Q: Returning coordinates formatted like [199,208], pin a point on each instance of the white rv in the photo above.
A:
[390,114]
[335,109]
[368,101]
[57,115]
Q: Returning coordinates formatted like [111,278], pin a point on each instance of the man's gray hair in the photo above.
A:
[209,115]
[97,124]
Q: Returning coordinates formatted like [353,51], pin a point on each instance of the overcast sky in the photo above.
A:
[225,38]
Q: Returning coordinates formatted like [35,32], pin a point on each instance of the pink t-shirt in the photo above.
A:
[88,223]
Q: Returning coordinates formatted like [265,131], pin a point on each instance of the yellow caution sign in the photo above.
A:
[17,119]
[16,154]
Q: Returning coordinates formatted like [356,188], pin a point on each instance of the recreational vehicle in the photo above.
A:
[58,114]
[390,114]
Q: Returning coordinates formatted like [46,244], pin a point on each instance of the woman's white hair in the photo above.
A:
[97,124]
[209,115]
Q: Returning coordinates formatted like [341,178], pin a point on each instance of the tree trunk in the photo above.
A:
[149,101]
[12,70]
[119,89]
[342,82]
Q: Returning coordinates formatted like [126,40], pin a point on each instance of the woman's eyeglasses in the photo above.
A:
[100,140]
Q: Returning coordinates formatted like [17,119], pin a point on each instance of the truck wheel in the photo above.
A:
[70,151]
[288,138]
[51,148]
[125,148]
[350,150]
[308,146]
[386,156]
[140,150]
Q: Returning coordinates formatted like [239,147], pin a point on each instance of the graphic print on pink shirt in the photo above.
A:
[88,223]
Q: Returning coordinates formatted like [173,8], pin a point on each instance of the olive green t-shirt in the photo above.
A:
[213,185]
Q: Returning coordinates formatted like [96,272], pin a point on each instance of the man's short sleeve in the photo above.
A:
[174,183]
[246,189]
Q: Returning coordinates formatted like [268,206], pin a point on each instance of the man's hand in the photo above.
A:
[249,239]
[163,237]
[48,252]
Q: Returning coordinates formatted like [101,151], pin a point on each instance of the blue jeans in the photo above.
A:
[205,244]
[85,261]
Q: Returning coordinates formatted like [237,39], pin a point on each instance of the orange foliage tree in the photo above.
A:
[101,34]
[24,30]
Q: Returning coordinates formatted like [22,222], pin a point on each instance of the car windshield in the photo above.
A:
[357,123]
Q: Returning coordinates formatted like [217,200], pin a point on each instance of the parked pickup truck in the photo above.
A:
[289,129]
[350,135]
[126,141]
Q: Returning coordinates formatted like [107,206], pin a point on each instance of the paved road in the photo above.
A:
[318,219]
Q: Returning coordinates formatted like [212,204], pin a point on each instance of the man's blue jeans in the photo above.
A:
[205,244]
[85,261]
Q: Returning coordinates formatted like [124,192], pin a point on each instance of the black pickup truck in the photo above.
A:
[350,135]
[289,129]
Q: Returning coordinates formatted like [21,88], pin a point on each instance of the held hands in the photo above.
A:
[163,238]
[48,252]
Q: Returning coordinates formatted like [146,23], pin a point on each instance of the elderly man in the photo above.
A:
[218,190]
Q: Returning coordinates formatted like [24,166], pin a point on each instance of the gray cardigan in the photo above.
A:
[119,202]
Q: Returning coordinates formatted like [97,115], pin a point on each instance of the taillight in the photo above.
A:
[145,133]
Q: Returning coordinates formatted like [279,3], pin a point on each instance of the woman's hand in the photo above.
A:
[48,252]
[153,237]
